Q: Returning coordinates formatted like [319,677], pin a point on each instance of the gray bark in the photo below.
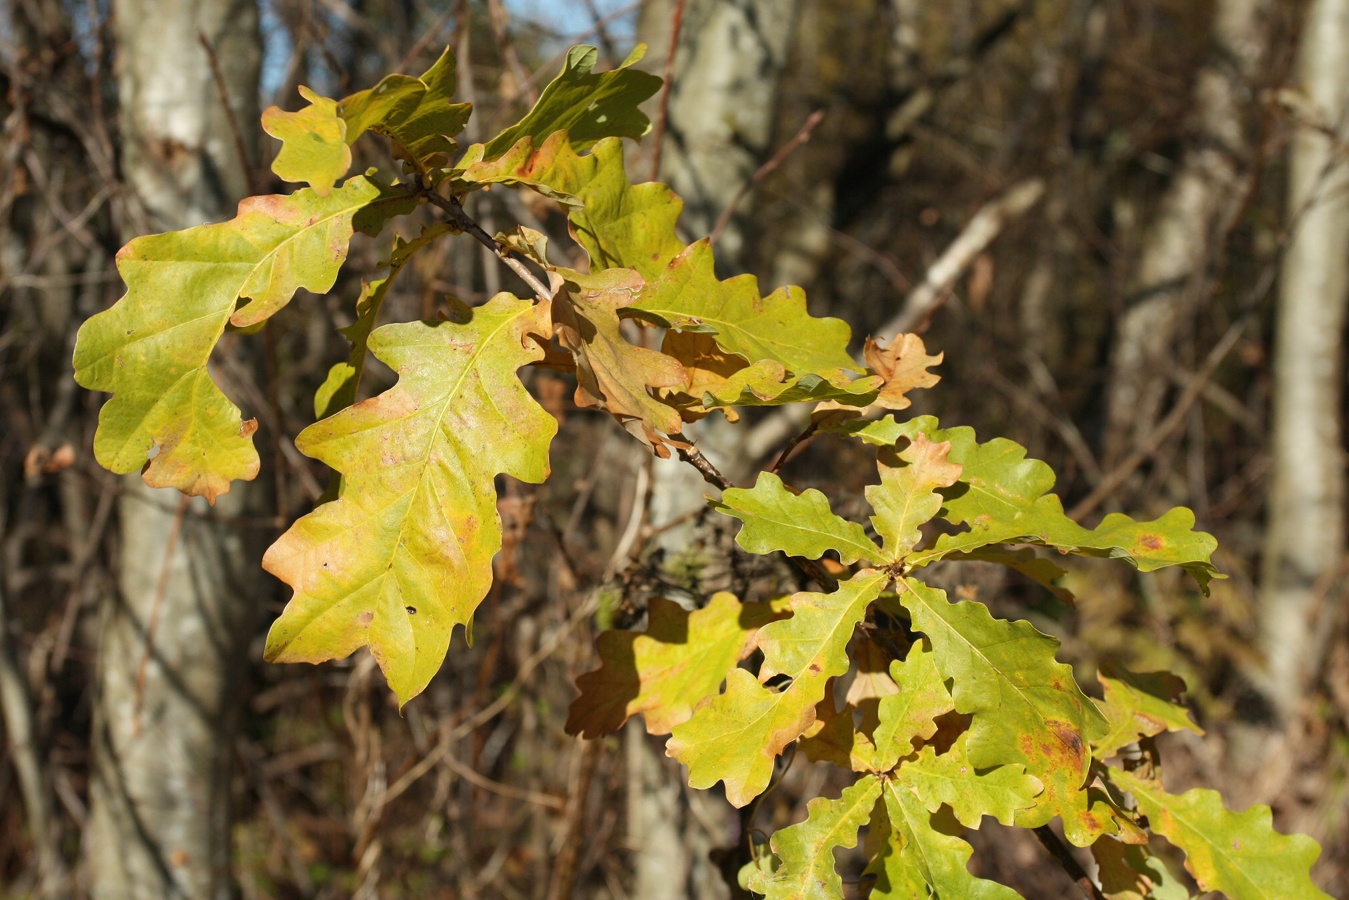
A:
[173,640]
[1198,209]
[1305,545]
[722,101]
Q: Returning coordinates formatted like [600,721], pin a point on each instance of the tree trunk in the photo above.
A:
[1305,544]
[1202,202]
[173,641]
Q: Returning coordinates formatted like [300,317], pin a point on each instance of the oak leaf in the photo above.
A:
[405,554]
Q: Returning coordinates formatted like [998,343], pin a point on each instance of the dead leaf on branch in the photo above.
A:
[612,374]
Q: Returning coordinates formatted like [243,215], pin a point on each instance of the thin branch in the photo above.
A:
[802,136]
[663,116]
[797,441]
[465,223]
[690,454]
[1163,430]
[220,86]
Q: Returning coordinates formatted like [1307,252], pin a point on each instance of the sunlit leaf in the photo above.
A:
[1239,854]
[971,793]
[405,554]
[314,147]
[898,368]
[612,374]
[1140,705]
[619,224]
[907,495]
[911,858]
[586,105]
[1026,706]
[1004,498]
[151,349]
[797,524]
[805,851]
[662,674]
[688,295]
[910,714]
[735,736]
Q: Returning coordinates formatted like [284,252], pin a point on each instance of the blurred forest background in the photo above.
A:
[1125,222]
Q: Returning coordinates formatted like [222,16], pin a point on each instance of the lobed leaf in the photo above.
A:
[911,858]
[1239,854]
[735,736]
[415,113]
[1140,705]
[907,496]
[619,224]
[589,107]
[1004,498]
[688,296]
[971,792]
[151,349]
[797,524]
[805,851]
[314,146]
[911,713]
[1026,706]
[612,374]
[405,554]
[898,368]
[662,674]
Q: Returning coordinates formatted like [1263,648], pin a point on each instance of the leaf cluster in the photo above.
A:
[943,712]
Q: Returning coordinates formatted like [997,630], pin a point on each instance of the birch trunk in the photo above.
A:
[172,641]
[1203,200]
[1305,544]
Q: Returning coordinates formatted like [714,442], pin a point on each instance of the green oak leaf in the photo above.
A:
[314,145]
[662,674]
[415,113]
[687,295]
[619,224]
[767,382]
[805,851]
[1239,854]
[970,792]
[1140,705]
[405,554]
[911,713]
[1004,498]
[150,350]
[907,496]
[1026,706]
[797,524]
[735,736]
[586,105]
[911,858]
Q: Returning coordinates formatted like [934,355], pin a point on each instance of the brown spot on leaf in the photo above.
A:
[1152,542]
[366,617]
